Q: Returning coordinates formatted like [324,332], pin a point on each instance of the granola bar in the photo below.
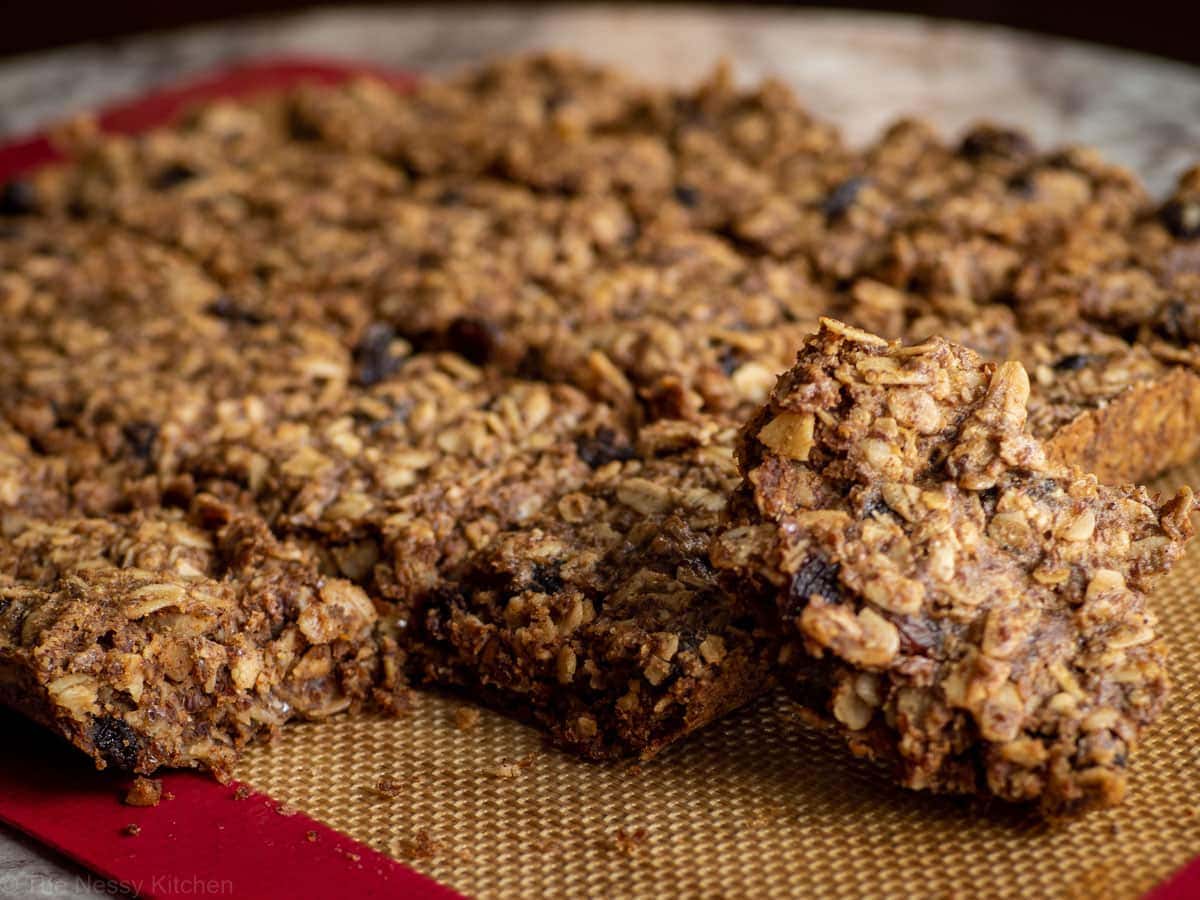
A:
[664,250]
[402,329]
[455,497]
[413,470]
[1090,392]
[954,602]
[154,640]
[600,619]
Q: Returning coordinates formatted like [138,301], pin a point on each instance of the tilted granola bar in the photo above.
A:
[154,640]
[954,602]
[600,619]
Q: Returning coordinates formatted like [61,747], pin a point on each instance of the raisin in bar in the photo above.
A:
[955,603]
[600,619]
[155,640]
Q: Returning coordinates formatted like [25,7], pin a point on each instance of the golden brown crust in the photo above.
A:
[1151,427]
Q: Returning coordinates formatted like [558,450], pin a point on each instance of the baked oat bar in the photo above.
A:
[954,602]
[663,249]
[600,619]
[415,468]
[395,326]
[1140,281]
[154,640]
[441,477]
[1114,409]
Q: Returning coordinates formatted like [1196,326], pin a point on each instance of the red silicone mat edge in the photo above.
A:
[204,838]
[21,154]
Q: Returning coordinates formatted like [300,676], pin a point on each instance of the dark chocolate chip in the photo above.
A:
[116,742]
[842,197]
[532,364]
[811,682]
[602,448]
[374,354]
[140,436]
[473,339]
[451,197]
[1171,322]
[730,361]
[300,127]
[688,196]
[225,307]
[173,175]
[1130,334]
[18,198]
[1023,184]
[1073,362]
[546,579]
[1182,218]
[817,576]
[987,140]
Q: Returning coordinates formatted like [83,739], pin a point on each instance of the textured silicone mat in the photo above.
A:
[759,805]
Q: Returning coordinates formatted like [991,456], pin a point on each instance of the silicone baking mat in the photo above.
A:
[758,805]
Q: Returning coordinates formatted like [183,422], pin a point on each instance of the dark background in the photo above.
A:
[1153,26]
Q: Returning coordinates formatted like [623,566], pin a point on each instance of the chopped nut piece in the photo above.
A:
[789,434]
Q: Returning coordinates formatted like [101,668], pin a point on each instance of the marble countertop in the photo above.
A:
[859,70]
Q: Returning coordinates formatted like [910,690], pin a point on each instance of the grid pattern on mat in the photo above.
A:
[758,805]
